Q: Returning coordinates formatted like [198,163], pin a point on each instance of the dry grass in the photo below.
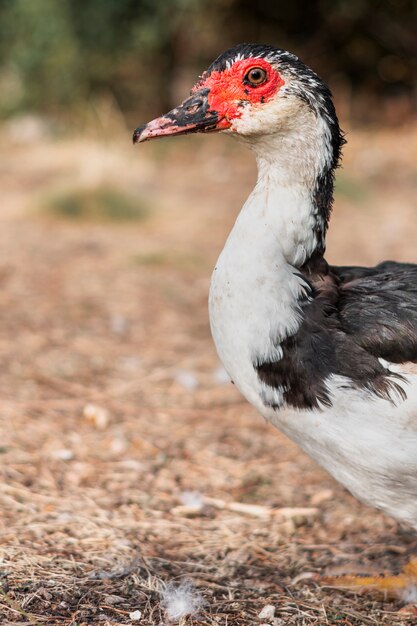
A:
[113,408]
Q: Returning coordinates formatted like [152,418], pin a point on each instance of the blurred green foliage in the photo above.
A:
[101,203]
[57,55]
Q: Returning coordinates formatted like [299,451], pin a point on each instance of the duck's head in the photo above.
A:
[251,91]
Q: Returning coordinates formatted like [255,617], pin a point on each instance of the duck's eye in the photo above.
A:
[256,76]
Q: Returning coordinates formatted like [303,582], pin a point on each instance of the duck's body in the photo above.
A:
[368,443]
[322,352]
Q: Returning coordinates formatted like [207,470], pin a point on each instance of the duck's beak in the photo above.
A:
[192,116]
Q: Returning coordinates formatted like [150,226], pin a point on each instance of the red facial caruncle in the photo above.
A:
[218,98]
[230,88]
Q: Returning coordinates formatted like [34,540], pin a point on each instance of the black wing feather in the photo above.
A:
[378,308]
[353,317]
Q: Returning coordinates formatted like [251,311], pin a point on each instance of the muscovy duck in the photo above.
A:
[324,353]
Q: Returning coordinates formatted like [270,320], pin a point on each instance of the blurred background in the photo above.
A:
[59,58]
[112,399]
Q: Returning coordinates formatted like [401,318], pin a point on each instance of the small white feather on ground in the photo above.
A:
[409,595]
[268,612]
[191,498]
[181,600]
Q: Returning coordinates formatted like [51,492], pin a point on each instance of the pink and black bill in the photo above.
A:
[193,115]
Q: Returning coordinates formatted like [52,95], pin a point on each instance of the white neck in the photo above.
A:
[281,213]
[290,163]
[282,202]
[256,288]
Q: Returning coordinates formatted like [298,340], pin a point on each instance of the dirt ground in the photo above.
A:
[129,464]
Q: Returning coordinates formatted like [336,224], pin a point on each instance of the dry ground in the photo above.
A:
[121,440]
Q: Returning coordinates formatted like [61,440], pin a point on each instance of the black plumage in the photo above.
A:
[354,317]
[378,306]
